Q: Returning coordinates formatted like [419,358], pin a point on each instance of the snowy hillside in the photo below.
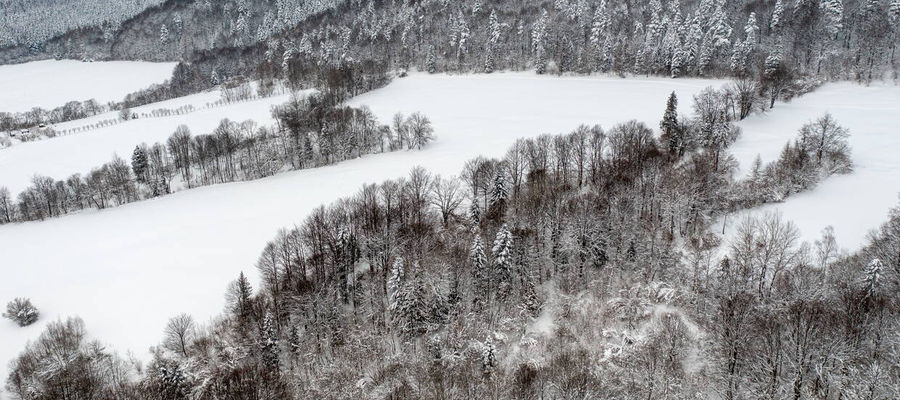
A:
[52,83]
[853,204]
[107,266]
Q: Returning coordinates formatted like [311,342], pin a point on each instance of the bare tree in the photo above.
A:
[446,196]
[420,130]
[825,138]
[179,334]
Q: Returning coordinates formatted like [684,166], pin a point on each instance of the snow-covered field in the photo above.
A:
[63,156]
[126,270]
[52,83]
[853,204]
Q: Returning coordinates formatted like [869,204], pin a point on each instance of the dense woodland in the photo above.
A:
[311,131]
[769,41]
[577,266]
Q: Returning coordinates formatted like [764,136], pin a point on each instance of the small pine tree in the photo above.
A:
[430,61]
[475,212]
[163,34]
[139,164]
[488,357]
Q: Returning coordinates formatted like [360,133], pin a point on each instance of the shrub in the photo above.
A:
[22,312]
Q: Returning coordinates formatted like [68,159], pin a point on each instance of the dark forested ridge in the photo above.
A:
[576,266]
[846,39]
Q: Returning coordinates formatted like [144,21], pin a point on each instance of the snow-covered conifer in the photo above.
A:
[777,15]
[872,280]
[502,252]
[481,275]
[669,126]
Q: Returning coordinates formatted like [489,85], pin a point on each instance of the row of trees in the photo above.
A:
[311,131]
[70,111]
[574,266]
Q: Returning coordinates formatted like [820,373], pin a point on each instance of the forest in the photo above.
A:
[770,42]
[576,266]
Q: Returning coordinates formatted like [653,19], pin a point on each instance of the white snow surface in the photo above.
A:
[62,156]
[52,83]
[126,270]
[853,204]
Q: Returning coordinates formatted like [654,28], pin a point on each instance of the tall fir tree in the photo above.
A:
[671,131]
[502,252]
[481,276]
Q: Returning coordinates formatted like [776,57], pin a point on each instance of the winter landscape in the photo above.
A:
[570,199]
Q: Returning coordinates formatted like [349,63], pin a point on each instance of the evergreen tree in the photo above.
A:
[538,36]
[240,299]
[495,30]
[502,252]
[499,193]
[163,34]
[671,131]
[833,16]
[488,357]
[139,164]
[411,314]
[475,212]
[481,276]
[777,16]
[430,62]
[395,282]
[269,343]
[873,277]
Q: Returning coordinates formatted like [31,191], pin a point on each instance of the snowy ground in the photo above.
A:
[126,270]
[51,83]
[853,204]
[63,156]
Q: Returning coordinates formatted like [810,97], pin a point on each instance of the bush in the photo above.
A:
[22,312]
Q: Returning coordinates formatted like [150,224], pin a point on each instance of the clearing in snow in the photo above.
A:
[52,83]
[854,203]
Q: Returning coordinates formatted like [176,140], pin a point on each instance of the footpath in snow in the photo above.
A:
[127,270]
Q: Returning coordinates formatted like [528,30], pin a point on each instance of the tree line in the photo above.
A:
[310,131]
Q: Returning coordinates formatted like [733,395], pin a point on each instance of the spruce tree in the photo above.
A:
[872,279]
[139,164]
[671,132]
[269,343]
[502,252]
[499,194]
[480,273]
[395,282]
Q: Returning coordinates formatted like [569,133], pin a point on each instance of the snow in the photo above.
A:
[52,83]
[22,161]
[853,204]
[126,270]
